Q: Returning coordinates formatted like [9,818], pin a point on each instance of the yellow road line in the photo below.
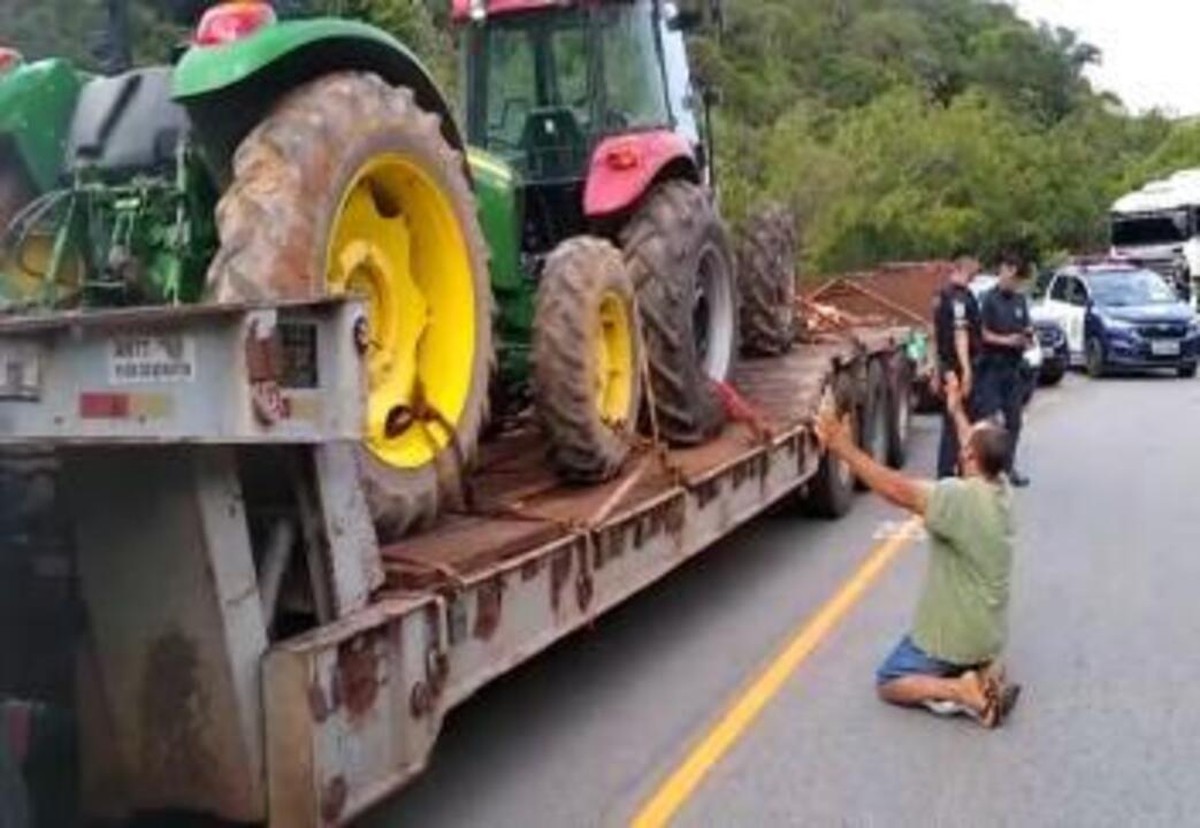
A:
[673,793]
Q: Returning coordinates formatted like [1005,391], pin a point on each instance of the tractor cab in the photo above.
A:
[548,83]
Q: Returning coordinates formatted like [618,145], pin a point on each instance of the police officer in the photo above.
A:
[1007,332]
[957,335]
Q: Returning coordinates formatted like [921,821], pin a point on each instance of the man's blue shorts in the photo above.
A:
[910,660]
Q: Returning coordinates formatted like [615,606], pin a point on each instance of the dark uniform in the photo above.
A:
[954,309]
[1001,386]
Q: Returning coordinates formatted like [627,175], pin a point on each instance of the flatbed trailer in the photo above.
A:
[208,460]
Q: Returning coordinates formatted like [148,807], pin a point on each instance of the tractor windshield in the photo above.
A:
[635,91]
[544,86]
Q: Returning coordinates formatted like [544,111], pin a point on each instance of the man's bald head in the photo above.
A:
[989,448]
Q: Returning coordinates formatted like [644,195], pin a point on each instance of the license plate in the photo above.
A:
[20,371]
[1164,347]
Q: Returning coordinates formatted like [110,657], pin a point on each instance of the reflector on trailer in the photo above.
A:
[230,22]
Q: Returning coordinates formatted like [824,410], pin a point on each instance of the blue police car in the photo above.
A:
[1121,316]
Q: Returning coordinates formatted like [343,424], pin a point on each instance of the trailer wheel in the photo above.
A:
[830,493]
[874,417]
[767,282]
[585,359]
[349,187]
[678,255]
[900,404]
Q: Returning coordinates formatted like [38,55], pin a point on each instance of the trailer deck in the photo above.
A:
[520,504]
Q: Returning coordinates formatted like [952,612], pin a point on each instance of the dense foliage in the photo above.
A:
[903,128]
[894,128]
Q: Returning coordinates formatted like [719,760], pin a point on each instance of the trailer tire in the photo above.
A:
[585,359]
[767,282]
[900,408]
[349,186]
[678,255]
[874,417]
[830,493]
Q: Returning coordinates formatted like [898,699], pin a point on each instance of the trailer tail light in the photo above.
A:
[230,22]
[9,59]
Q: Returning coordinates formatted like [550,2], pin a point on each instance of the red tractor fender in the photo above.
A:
[624,167]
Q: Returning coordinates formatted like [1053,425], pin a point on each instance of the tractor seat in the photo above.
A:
[555,145]
[127,124]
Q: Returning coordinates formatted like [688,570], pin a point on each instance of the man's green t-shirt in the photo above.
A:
[962,617]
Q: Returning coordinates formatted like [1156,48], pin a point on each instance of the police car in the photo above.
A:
[1119,315]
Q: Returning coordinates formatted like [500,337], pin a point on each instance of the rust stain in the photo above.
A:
[584,588]
[530,569]
[357,678]
[489,608]
[176,714]
[333,799]
[420,700]
[317,705]
[560,570]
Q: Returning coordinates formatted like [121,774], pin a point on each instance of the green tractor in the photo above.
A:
[276,160]
[292,159]
[602,221]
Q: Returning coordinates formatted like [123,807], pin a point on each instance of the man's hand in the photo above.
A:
[962,388]
[955,393]
[833,429]
[837,438]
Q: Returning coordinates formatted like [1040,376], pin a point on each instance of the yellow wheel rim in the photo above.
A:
[614,360]
[396,242]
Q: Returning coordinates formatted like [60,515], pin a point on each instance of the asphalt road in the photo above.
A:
[1106,620]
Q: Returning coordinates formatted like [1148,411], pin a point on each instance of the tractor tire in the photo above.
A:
[585,359]
[900,409]
[873,417]
[678,254]
[348,186]
[767,283]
